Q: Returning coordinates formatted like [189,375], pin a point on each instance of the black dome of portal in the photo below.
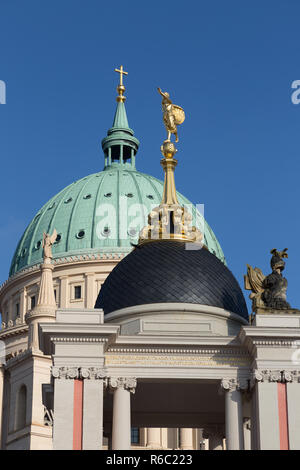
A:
[164,272]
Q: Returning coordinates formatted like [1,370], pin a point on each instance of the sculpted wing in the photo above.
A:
[254,279]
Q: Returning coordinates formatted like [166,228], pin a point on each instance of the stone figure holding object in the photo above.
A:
[48,241]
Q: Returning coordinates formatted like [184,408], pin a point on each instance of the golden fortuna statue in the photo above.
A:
[173,115]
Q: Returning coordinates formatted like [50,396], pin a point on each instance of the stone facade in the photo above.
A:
[232,386]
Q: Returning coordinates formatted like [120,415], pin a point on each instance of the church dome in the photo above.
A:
[88,215]
[167,272]
[82,228]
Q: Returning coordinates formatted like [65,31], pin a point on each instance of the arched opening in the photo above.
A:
[21,402]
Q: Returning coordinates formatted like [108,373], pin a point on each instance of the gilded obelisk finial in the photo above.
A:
[121,87]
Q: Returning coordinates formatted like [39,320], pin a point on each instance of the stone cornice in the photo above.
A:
[25,354]
[77,339]
[13,330]
[268,337]
[230,342]
[63,261]
[179,350]
[173,307]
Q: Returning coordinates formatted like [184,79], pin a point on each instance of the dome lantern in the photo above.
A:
[120,146]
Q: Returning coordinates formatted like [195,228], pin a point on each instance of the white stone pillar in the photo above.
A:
[121,426]
[78,419]
[23,305]
[64,292]
[233,414]
[89,290]
[63,407]
[186,439]
[154,438]
[92,426]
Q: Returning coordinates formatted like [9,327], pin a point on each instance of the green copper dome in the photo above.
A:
[103,212]
[86,215]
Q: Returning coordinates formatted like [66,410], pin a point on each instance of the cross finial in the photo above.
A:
[121,72]
[120,87]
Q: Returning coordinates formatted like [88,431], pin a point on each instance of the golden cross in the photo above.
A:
[121,72]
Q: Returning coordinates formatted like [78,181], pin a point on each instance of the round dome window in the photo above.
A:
[106,231]
[80,234]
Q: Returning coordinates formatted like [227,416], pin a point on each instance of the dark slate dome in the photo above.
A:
[164,272]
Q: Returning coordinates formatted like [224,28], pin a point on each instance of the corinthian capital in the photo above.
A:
[92,373]
[269,375]
[65,372]
[230,385]
[127,383]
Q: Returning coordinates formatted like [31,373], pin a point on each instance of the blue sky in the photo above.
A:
[229,64]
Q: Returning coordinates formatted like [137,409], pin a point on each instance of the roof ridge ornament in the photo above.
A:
[170,220]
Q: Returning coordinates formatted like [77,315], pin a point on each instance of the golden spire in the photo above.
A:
[170,220]
[120,87]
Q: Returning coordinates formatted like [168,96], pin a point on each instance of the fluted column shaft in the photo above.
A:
[154,438]
[121,426]
[186,438]
[234,420]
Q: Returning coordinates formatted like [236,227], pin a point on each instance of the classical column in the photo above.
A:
[89,290]
[45,309]
[10,322]
[22,305]
[215,435]
[121,428]
[64,294]
[154,438]
[233,413]
[186,438]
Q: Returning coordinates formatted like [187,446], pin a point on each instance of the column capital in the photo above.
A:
[270,375]
[66,372]
[127,383]
[232,384]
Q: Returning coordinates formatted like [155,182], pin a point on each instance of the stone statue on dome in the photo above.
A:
[48,241]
